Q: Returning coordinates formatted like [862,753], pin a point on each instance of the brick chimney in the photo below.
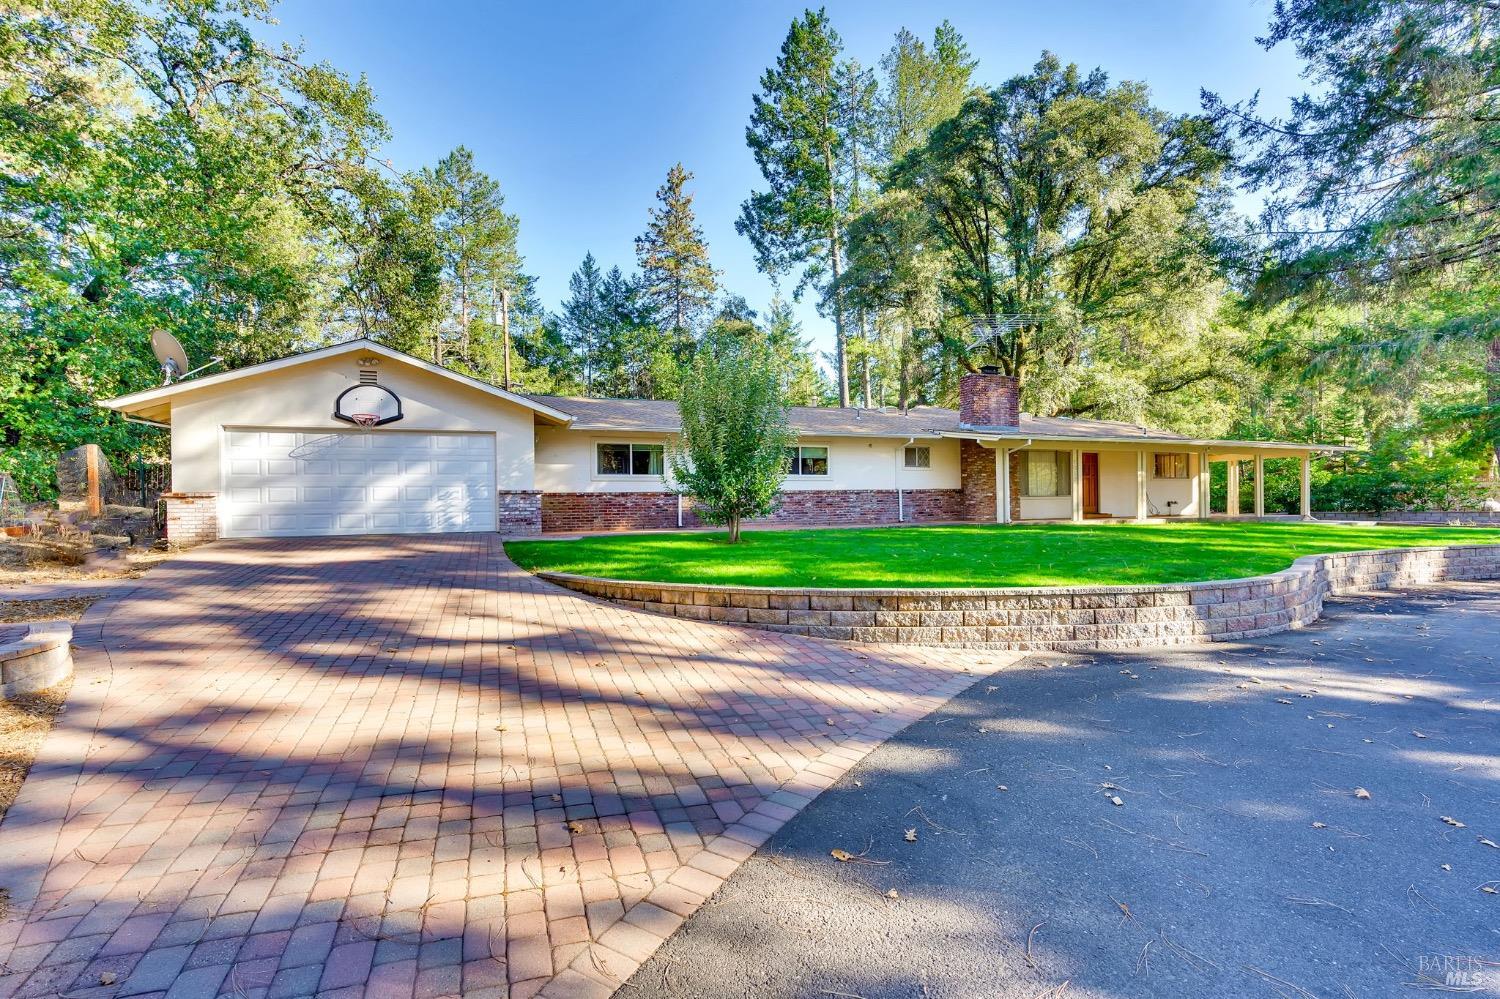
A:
[989,399]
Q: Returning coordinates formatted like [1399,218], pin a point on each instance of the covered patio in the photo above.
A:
[1068,479]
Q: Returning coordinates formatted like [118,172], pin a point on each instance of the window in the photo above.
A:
[630,459]
[807,461]
[1046,473]
[919,457]
[1171,466]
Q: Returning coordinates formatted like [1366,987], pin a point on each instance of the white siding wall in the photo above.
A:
[1117,477]
[302,398]
[1184,491]
[565,464]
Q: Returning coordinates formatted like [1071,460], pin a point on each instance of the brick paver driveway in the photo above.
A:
[401,766]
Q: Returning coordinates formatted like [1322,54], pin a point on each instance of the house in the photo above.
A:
[358,438]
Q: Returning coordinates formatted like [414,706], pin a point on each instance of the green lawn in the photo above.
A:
[974,555]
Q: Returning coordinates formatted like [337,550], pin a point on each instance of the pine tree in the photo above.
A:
[924,87]
[583,317]
[797,135]
[678,280]
[477,241]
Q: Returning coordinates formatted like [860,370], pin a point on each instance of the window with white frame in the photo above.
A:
[1046,473]
[807,461]
[629,459]
[919,456]
[1173,465]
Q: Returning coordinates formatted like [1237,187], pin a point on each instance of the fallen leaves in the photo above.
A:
[1449,820]
[911,836]
[1361,794]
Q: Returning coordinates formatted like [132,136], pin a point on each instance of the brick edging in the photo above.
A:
[1058,618]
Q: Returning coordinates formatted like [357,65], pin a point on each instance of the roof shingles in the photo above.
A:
[920,421]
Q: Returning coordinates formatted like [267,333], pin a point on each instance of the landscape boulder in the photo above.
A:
[85,481]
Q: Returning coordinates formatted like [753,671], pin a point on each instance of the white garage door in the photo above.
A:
[287,484]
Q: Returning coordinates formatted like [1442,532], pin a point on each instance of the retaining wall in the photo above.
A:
[34,656]
[1449,518]
[1060,618]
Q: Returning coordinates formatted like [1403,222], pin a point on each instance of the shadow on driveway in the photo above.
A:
[1241,861]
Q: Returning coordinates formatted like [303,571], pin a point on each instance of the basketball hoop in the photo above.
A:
[364,421]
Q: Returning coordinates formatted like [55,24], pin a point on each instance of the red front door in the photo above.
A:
[1090,483]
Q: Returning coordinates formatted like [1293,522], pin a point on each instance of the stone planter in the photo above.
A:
[34,656]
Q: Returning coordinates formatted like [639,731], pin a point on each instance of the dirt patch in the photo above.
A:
[60,609]
[24,723]
[17,567]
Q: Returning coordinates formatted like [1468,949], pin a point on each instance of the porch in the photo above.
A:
[1157,482]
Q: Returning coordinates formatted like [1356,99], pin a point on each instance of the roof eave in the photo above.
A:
[132,403]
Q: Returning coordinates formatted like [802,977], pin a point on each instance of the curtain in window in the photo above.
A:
[1046,473]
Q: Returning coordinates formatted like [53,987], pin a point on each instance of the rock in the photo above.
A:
[84,479]
[134,522]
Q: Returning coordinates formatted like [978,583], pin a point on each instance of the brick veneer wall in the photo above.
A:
[977,476]
[1015,487]
[192,518]
[644,511]
[573,512]
[1061,618]
[519,510]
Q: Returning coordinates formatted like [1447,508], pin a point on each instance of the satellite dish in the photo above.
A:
[173,359]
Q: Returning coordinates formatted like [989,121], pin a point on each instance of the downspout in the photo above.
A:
[900,500]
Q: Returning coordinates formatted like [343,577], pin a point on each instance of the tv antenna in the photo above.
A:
[990,331]
[173,359]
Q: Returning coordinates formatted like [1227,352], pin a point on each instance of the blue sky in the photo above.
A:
[578,109]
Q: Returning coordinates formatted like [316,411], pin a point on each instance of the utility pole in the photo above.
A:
[505,335]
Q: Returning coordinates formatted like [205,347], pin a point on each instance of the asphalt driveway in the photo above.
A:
[1311,815]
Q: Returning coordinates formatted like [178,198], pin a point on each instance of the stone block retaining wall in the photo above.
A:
[1060,618]
[34,656]
[1455,518]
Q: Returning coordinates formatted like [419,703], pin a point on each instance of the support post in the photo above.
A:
[1260,486]
[1002,485]
[1232,493]
[1307,487]
[1203,486]
[1142,510]
[1077,472]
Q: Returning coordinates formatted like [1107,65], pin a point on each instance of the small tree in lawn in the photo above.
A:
[730,455]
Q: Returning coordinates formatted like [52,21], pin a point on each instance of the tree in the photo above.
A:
[677,277]
[797,135]
[924,87]
[585,321]
[893,273]
[161,168]
[1385,181]
[730,454]
[803,384]
[1074,207]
